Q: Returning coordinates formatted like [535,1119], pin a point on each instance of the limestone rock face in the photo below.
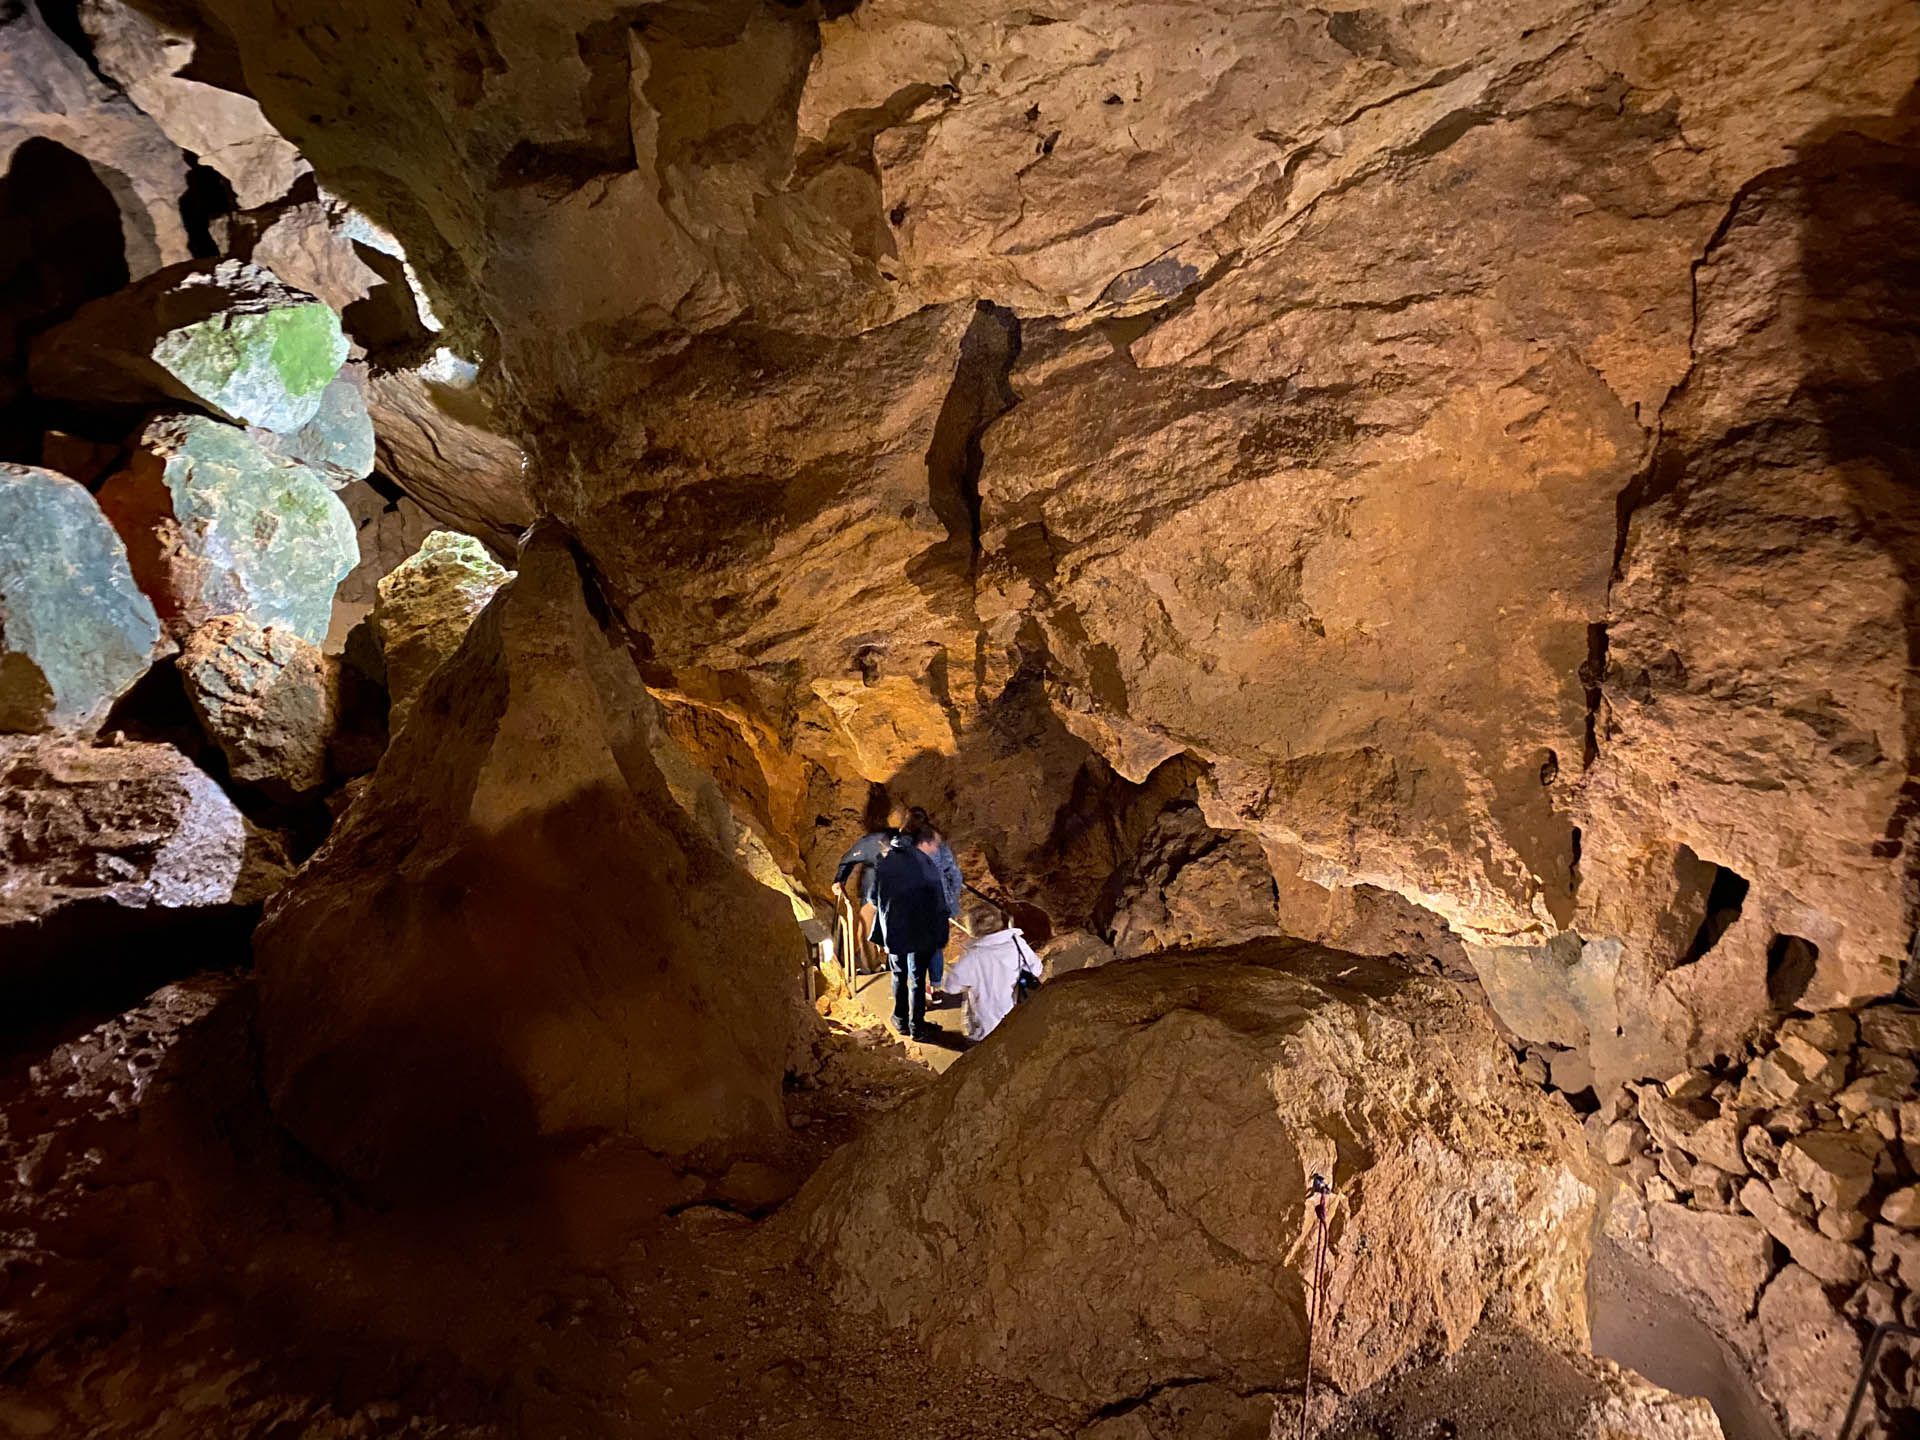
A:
[48,95]
[1191,887]
[215,525]
[759,543]
[1421,422]
[515,933]
[1128,1156]
[1730,716]
[75,631]
[125,830]
[438,435]
[267,698]
[424,608]
[148,58]
[219,334]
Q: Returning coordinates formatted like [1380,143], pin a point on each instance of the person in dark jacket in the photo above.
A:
[910,922]
[867,851]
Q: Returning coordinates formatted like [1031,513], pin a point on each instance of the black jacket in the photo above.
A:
[910,903]
[867,851]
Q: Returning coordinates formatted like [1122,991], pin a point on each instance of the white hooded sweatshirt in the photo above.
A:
[986,974]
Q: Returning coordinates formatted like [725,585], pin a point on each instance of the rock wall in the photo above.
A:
[1413,419]
[562,952]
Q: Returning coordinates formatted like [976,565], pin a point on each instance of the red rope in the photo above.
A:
[1314,1302]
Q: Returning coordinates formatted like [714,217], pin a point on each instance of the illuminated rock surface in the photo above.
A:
[75,632]
[1130,1156]
[215,525]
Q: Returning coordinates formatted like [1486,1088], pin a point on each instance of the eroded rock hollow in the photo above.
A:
[1384,539]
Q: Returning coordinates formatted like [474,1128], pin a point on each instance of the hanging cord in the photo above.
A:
[1318,1188]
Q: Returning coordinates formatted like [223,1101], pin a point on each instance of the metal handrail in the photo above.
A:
[1880,1332]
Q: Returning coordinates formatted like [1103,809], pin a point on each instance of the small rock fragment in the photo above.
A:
[1892,1028]
[1833,1261]
[1902,1208]
[1847,1225]
[1623,1140]
[1835,1167]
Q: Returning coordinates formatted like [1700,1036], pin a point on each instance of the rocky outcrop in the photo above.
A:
[424,607]
[1129,1156]
[150,60]
[75,632]
[215,525]
[267,698]
[102,845]
[222,335]
[562,951]
[1191,887]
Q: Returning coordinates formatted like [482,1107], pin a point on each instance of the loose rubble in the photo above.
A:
[1780,1189]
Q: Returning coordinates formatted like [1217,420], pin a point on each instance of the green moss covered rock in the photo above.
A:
[216,525]
[75,631]
[338,441]
[222,335]
[425,607]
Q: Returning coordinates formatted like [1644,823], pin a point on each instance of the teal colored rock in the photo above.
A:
[338,441]
[216,525]
[75,631]
[222,335]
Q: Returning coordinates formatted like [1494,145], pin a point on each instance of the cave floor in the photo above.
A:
[169,1268]
[868,1007]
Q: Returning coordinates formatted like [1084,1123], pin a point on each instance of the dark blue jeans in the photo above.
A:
[909,989]
[937,971]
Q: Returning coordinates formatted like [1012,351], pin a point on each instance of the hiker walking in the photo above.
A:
[951,885]
[910,922]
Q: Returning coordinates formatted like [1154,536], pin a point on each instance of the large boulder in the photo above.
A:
[219,334]
[516,933]
[75,631]
[269,699]
[424,608]
[338,441]
[1121,1172]
[101,844]
[215,525]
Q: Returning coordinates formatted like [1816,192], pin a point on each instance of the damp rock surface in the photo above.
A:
[75,631]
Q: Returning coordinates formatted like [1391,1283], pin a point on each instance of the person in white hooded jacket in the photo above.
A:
[989,972]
